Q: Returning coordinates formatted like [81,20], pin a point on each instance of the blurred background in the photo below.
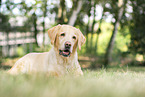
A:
[114,29]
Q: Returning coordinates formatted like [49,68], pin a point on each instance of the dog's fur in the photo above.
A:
[54,62]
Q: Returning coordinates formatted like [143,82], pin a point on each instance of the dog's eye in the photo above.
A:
[74,37]
[62,34]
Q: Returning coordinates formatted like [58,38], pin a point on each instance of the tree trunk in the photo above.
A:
[108,55]
[75,12]
[61,12]
[15,43]
[34,17]
[98,32]
[92,28]
[87,32]
[43,23]
[0,5]
[96,44]
[87,26]
[8,46]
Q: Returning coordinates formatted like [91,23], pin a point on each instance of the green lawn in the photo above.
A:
[100,83]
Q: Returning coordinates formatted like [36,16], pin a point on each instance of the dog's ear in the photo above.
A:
[52,33]
[81,39]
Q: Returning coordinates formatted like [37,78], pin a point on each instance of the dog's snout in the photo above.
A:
[67,44]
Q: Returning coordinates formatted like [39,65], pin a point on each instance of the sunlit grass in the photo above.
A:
[100,83]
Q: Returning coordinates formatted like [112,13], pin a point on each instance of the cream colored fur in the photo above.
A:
[52,63]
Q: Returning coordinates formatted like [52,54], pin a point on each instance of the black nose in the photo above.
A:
[67,44]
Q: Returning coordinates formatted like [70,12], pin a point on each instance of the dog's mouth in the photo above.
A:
[65,53]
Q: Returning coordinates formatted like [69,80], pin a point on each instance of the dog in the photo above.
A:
[62,59]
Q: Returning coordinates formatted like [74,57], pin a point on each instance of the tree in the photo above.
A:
[118,16]
[137,28]
[34,18]
[75,12]
[44,9]
[61,12]
[0,5]
[5,26]
[88,9]
[31,21]
[99,31]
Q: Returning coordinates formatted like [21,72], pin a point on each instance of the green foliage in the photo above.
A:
[20,51]
[122,40]
[38,12]
[4,22]
[121,44]
[137,28]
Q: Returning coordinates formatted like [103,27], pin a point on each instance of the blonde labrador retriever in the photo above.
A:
[60,60]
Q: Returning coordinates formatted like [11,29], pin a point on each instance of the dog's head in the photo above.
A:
[65,39]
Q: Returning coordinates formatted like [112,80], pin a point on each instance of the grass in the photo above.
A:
[99,83]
